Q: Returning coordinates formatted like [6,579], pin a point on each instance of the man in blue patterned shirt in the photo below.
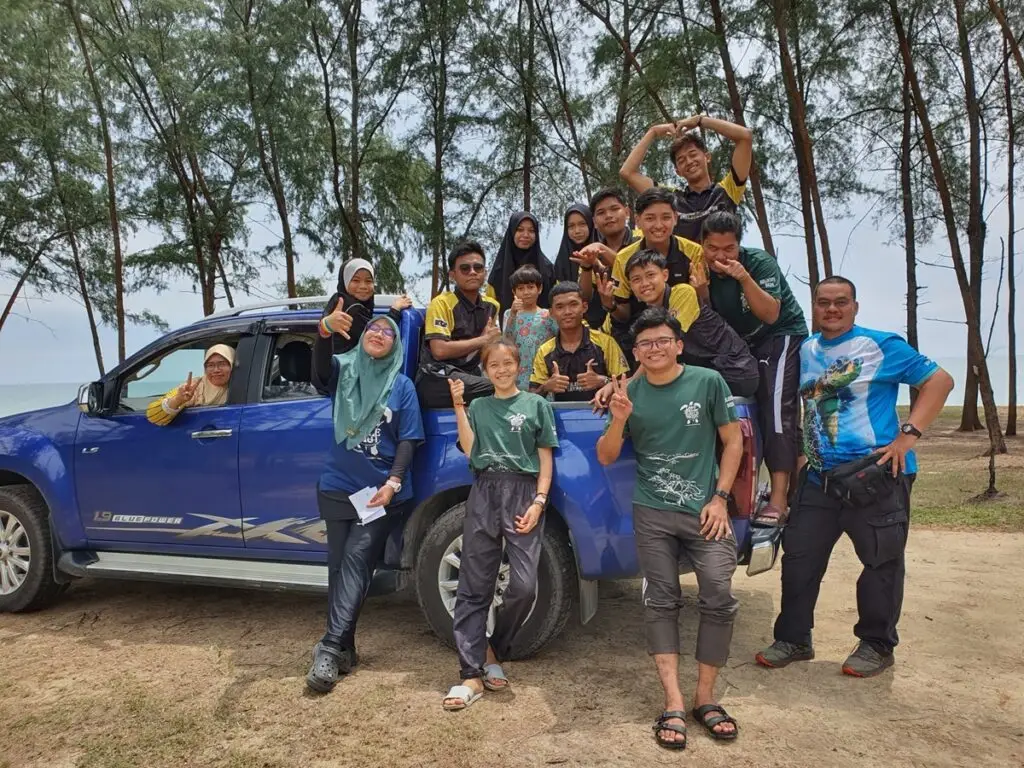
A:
[849,380]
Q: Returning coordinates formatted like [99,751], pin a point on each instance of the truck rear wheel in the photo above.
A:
[437,578]
[26,556]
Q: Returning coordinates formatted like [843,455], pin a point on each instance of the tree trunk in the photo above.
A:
[969,420]
[736,102]
[975,349]
[21,282]
[332,125]
[83,288]
[808,148]
[1011,309]
[909,233]
[352,29]
[528,107]
[801,142]
[440,107]
[108,155]
[691,64]
[1000,15]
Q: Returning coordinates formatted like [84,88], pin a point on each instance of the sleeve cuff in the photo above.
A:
[166,406]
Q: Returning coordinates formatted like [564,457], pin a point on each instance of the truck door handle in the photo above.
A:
[91,450]
[205,434]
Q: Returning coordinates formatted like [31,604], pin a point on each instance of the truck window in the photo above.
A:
[164,371]
[288,375]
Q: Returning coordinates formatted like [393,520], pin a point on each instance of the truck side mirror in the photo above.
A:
[90,397]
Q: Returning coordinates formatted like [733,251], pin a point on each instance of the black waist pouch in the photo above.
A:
[861,482]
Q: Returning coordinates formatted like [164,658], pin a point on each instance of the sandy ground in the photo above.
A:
[139,674]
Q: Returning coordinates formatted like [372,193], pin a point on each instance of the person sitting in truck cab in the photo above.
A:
[579,360]
[458,325]
[209,389]
[350,309]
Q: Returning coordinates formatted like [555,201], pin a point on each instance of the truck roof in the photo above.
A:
[301,306]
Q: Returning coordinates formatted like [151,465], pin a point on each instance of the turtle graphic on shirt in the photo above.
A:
[824,399]
[516,422]
[674,489]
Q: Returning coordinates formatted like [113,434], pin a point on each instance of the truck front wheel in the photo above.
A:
[26,557]
[437,579]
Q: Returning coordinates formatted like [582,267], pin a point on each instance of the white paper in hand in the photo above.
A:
[360,499]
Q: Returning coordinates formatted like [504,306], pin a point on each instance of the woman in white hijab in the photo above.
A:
[210,389]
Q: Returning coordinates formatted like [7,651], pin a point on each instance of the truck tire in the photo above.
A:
[437,578]
[26,555]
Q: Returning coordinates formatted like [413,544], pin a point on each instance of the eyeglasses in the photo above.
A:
[388,333]
[663,342]
[840,303]
[476,266]
[216,365]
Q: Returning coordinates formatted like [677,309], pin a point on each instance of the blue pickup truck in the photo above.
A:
[226,495]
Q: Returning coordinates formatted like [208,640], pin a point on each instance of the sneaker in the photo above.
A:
[780,653]
[865,661]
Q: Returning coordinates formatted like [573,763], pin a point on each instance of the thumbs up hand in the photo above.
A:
[491,332]
[458,389]
[590,380]
[558,383]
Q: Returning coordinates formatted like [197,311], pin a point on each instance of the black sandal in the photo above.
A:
[679,728]
[709,724]
[329,665]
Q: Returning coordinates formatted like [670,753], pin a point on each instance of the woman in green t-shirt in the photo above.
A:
[509,437]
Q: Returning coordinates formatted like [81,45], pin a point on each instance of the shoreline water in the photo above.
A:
[17,398]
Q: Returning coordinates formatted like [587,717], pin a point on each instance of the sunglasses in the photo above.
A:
[476,266]
[388,333]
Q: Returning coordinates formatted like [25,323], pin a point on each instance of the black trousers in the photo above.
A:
[434,392]
[353,551]
[495,501]
[778,401]
[879,536]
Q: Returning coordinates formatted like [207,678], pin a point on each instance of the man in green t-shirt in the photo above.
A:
[680,505]
[749,291]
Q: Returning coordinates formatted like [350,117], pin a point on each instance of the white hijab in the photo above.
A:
[206,393]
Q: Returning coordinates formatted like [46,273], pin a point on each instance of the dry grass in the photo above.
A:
[954,472]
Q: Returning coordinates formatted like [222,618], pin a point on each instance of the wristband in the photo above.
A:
[586,269]
[326,326]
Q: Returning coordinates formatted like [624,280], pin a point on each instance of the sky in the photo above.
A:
[47,339]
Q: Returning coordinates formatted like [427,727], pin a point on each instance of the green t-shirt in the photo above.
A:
[508,432]
[674,430]
[728,300]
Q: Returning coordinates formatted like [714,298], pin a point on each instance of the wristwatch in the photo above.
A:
[906,428]
[394,485]
[724,495]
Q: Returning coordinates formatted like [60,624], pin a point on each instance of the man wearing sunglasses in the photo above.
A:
[459,324]
[673,416]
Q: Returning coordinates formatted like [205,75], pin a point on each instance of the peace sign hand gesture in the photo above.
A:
[185,393]
[606,290]
[620,404]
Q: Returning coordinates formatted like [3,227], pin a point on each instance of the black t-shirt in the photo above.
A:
[694,207]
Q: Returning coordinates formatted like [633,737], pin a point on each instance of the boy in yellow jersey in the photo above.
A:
[580,360]
[710,342]
[458,325]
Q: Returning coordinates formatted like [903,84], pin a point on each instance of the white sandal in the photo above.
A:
[463,694]
[494,672]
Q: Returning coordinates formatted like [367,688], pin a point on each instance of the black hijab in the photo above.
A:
[565,269]
[511,257]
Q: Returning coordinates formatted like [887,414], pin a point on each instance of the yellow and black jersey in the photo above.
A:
[683,255]
[453,317]
[681,302]
[694,207]
[595,345]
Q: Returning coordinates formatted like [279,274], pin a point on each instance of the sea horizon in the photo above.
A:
[30,396]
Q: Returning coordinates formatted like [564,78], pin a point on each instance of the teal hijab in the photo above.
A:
[364,386]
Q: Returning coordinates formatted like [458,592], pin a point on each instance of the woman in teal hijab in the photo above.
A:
[377,426]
